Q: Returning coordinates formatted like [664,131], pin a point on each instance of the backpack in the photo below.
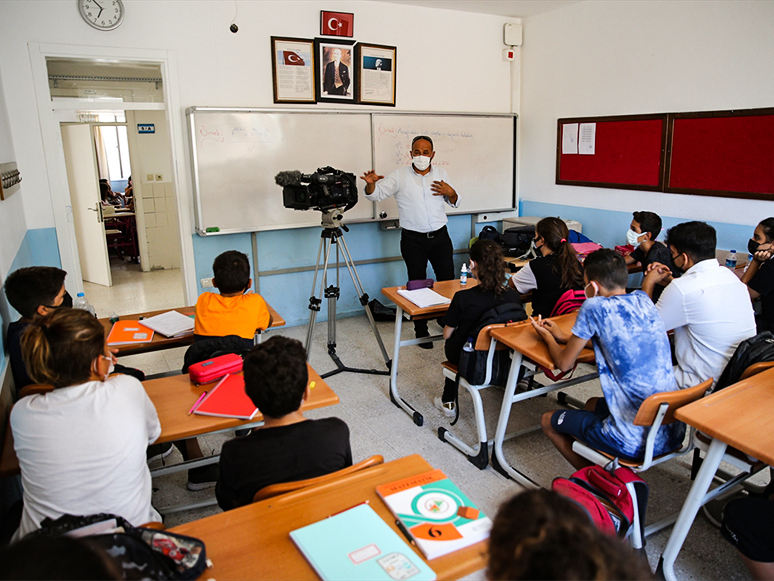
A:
[753,350]
[514,241]
[569,302]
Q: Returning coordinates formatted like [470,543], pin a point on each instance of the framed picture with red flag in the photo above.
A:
[293,70]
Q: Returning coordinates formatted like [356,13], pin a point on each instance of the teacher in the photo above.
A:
[421,191]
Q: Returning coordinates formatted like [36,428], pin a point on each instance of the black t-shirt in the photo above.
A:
[13,339]
[657,253]
[282,454]
[763,283]
[549,285]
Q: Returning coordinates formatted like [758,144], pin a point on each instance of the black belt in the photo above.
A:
[432,234]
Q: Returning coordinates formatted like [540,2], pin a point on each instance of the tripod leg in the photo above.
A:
[314,302]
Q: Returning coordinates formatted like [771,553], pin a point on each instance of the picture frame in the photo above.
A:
[377,74]
[293,70]
[337,23]
[333,88]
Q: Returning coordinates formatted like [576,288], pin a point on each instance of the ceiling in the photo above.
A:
[510,8]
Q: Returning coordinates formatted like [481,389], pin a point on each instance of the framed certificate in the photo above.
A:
[377,68]
[293,70]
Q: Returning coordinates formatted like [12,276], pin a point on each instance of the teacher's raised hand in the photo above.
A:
[370,177]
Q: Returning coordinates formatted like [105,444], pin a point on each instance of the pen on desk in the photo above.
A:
[198,401]
[405,532]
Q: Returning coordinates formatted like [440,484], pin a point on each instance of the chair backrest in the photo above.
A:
[35,388]
[283,487]
[484,335]
[756,368]
[676,399]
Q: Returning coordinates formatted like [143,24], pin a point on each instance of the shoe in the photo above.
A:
[158,451]
[202,478]
[715,509]
[425,345]
[449,409]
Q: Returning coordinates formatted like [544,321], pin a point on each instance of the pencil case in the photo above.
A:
[419,283]
[215,368]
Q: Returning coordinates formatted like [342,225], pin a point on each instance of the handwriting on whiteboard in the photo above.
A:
[393,132]
[237,134]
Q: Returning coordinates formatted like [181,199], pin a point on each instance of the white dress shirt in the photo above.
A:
[419,209]
[710,311]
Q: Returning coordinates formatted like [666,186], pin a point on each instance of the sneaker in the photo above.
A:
[448,408]
[158,451]
[203,477]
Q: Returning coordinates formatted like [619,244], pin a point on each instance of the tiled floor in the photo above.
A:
[379,427]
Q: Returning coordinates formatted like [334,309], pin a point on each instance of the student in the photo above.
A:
[82,446]
[708,306]
[759,276]
[633,358]
[642,234]
[234,311]
[540,534]
[467,307]
[288,447]
[555,271]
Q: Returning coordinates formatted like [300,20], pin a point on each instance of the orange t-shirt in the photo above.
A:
[218,316]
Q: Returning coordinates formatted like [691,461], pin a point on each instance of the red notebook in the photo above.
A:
[228,400]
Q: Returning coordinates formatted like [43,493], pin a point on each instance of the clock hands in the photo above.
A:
[100,8]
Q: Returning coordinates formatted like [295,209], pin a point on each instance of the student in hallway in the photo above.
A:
[708,306]
[234,311]
[633,358]
[82,446]
[759,276]
[555,271]
[288,447]
[643,231]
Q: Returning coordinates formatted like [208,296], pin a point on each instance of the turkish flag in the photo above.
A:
[337,23]
[292,58]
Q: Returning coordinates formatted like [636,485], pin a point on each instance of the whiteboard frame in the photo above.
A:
[372,113]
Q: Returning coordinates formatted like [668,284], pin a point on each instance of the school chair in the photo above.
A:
[284,487]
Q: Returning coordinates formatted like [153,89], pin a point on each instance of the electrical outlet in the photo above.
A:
[207,283]
[149,177]
[159,177]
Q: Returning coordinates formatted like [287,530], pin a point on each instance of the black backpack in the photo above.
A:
[753,350]
[514,241]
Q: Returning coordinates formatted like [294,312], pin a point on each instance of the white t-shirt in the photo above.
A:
[82,451]
[710,310]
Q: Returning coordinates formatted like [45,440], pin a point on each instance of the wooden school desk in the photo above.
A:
[253,542]
[525,343]
[739,416]
[159,341]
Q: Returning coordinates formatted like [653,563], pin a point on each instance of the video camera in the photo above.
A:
[326,189]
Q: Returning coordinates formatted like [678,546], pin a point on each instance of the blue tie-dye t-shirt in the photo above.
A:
[634,362]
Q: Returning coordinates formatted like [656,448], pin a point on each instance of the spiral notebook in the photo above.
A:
[228,400]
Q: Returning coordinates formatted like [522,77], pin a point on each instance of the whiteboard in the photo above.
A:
[235,154]
[478,152]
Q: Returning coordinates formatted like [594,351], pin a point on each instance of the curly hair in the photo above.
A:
[276,376]
[556,236]
[490,267]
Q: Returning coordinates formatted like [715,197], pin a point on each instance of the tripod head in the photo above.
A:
[331,219]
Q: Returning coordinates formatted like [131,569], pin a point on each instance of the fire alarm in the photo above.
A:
[512,34]
[509,54]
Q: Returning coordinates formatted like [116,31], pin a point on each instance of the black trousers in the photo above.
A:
[417,248]
[453,351]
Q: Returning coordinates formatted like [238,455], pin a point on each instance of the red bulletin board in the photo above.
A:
[629,153]
[722,153]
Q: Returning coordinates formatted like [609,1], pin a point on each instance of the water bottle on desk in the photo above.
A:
[469,345]
[731,260]
[464,274]
[749,262]
[81,302]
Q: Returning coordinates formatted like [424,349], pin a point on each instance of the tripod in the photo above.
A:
[329,237]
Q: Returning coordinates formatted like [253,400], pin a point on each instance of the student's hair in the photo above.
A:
[606,267]
[28,288]
[649,222]
[490,267]
[540,534]
[767,226]
[104,190]
[59,348]
[276,376]
[696,239]
[61,557]
[420,137]
[556,236]
[231,271]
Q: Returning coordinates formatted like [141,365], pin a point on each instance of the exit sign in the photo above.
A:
[146,128]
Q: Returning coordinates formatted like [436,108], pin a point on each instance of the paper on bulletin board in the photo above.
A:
[587,138]
[569,138]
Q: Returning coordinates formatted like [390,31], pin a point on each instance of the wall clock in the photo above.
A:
[102,14]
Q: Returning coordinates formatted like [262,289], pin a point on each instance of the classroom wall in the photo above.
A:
[615,58]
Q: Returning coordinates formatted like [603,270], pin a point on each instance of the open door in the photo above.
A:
[83,179]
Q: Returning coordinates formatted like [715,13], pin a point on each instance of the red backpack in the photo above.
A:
[569,302]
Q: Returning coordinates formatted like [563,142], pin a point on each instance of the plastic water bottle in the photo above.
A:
[749,262]
[81,302]
[464,274]
[469,345]
[731,260]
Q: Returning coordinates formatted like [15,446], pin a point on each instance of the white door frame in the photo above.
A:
[54,153]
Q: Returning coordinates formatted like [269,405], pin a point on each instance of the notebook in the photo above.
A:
[437,514]
[228,400]
[129,333]
[357,544]
[424,297]
[170,324]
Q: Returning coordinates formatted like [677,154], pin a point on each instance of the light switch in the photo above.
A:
[149,177]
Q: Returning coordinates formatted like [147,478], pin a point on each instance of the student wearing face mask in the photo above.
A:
[421,191]
[642,234]
[759,276]
[81,447]
[555,271]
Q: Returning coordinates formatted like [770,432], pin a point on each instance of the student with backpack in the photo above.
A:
[467,308]
[555,271]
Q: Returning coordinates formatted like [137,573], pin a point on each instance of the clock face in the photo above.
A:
[102,14]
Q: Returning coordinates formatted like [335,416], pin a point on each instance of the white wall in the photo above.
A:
[615,58]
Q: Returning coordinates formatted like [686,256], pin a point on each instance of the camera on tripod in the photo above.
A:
[326,189]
